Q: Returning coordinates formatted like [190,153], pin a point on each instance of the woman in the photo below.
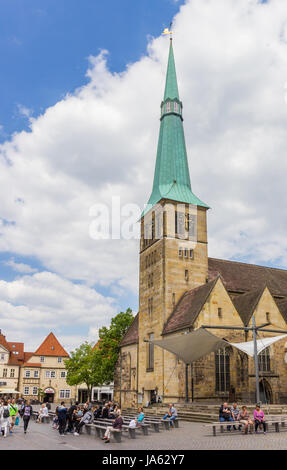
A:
[5,418]
[88,418]
[259,418]
[244,419]
[117,424]
[140,417]
[43,412]
[27,413]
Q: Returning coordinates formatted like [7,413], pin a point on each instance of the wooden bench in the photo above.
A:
[126,427]
[155,422]
[269,420]
[100,431]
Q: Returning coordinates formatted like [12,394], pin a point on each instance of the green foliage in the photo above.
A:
[94,366]
[110,338]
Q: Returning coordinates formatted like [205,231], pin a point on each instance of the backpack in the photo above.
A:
[6,413]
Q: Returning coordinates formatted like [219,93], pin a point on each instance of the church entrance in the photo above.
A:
[265,392]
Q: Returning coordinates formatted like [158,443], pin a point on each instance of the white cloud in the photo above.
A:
[20,267]
[101,142]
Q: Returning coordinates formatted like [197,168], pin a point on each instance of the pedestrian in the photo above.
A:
[13,409]
[62,417]
[4,418]
[70,417]
[27,413]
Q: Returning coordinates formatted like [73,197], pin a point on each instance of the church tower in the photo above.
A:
[173,246]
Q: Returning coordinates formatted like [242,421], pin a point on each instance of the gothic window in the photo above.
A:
[167,107]
[222,370]
[176,107]
[150,353]
[190,225]
[191,254]
[264,361]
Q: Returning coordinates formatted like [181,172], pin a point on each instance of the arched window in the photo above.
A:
[222,370]
[264,360]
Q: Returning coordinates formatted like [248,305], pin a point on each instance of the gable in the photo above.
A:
[51,347]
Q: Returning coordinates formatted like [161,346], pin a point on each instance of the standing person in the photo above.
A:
[62,417]
[70,416]
[13,409]
[4,418]
[27,413]
[117,424]
[244,419]
[259,418]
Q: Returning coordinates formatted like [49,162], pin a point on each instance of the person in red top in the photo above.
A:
[259,418]
[117,424]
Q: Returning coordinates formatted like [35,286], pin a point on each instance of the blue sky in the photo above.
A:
[78,127]
[44,46]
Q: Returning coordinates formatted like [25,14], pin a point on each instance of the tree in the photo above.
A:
[106,354]
[81,367]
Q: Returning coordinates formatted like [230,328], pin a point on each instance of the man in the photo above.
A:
[235,415]
[62,417]
[70,417]
[13,409]
[171,414]
[225,414]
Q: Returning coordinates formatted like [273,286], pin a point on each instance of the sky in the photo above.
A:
[80,90]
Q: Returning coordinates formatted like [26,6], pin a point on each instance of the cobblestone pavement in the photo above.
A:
[188,436]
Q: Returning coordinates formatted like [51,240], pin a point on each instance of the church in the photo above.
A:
[181,289]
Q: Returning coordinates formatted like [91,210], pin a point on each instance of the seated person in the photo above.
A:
[106,412]
[259,418]
[245,419]
[43,412]
[225,414]
[171,414]
[117,424]
[87,418]
[140,417]
[235,415]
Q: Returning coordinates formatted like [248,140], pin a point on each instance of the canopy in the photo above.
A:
[8,390]
[262,344]
[192,346]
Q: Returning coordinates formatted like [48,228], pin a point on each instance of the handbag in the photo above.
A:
[17,421]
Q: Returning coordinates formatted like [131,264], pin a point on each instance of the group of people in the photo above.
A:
[10,414]
[242,418]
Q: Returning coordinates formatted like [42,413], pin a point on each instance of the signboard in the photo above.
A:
[49,390]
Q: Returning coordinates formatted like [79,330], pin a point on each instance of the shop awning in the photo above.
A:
[192,346]
[8,390]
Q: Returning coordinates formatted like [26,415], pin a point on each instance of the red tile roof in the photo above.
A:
[51,347]
[3,342]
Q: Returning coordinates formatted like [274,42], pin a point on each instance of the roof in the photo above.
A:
[282,305]
[51,347]
[171,88]
[3,342]
[132,334]
[245,304]
[171,176]
[188,308]
[242,277]
[17,348]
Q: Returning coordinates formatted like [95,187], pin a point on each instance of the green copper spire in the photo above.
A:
[171,178]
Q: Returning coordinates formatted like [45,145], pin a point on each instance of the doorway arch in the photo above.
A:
[265,391]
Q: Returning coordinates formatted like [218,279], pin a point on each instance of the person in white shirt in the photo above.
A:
[43,412]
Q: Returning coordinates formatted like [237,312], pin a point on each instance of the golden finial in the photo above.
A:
[168,31]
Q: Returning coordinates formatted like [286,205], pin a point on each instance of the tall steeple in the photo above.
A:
[171,178]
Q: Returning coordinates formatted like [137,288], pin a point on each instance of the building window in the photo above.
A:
[150,353]
[190,225]
[179,224]
[35,391]
[63,374]
[150,307]
[47,374]
[167,107]
[5,373]
[12,373]
[191,254]
[59,359]
[219,311]
[264,361]
[180,252]
[2,357]
[53,374]
[26,390]
[65,394]
[36,374]
[42,359]
[27,373]
[222,370]
[175,106]
[186,276]
[185,252]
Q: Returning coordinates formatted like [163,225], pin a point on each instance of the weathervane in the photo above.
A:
[168,31]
